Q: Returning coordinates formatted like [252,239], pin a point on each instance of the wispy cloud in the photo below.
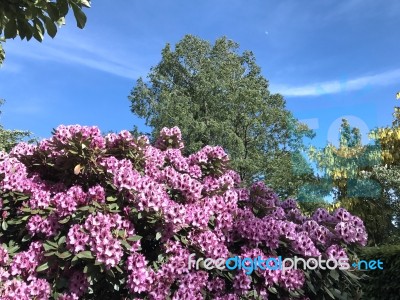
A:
[85,53]
[338,86]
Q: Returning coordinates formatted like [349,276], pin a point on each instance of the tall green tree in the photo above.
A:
[344,163]
[388,172]
[217,96]
[358,180]
[27,18]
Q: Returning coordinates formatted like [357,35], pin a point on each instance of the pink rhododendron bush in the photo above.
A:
[86,216]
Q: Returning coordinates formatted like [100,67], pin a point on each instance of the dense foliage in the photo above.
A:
[363,178]
[385,283]
[27,18]
[218,96]
[84,216]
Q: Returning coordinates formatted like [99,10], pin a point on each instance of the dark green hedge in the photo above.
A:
[382,284]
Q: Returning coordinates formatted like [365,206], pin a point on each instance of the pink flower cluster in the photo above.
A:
[288,279]
[15,175]
[139,278]
[67,202]
[209,244]
[170,137]
[25,263]
[47,226]
[336,252]
[16,289]
[3,256]
[22,149]
[64,134]
[98,236]
[125,138]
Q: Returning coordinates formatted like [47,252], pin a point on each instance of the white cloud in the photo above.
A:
[92,54]
[336,86]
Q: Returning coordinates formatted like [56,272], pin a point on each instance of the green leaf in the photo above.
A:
[74,260]
[65,220]
[26,237]
[4,225]
[48,247]
[14,222]
[26,209]
[134,238]
[37,32]
[84,208]
[126,245]
[311,287]
[334,274]
[23,198]
[294,294]
[64,255]
[329,292]
[62,7]
[158,235]
[351,275]
[110,273]
[111,198]
[2,54]
[97,204]
[85,254]
[113,207]
[13,249]
[51,253]
[10,30]
[272,290]
[318,274]
[54,244]
[79,16]
[52,11]
[39,26]
[119,269]
[42,267]
[51,27]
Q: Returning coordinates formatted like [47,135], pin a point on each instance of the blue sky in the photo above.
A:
[330,59]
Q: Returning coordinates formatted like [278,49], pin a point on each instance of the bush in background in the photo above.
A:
[382,284]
